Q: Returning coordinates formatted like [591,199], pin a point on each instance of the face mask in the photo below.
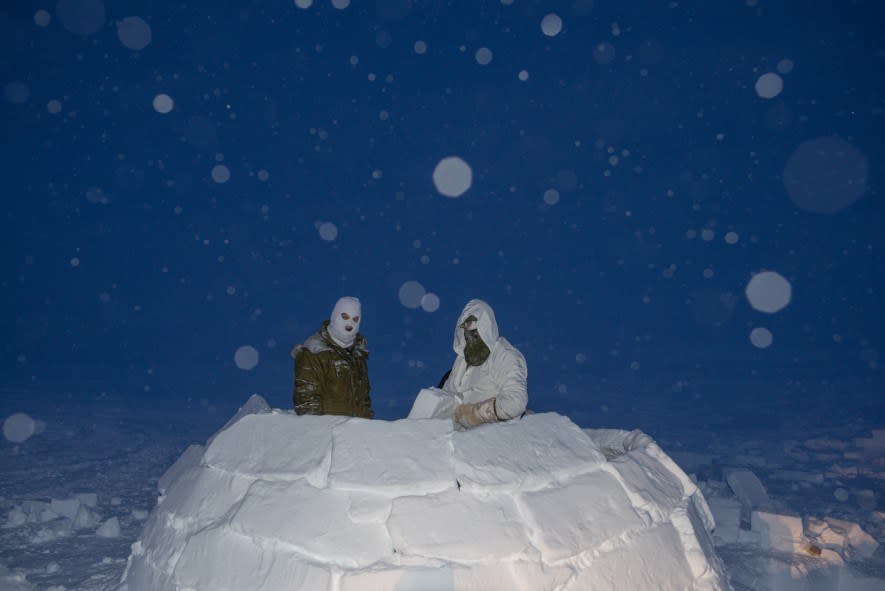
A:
[475,351]
[344,324]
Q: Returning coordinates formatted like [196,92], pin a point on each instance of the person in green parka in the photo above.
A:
[331,369]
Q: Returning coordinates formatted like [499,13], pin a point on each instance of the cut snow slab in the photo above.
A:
[279,501]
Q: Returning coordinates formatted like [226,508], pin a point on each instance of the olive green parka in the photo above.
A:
[331,380]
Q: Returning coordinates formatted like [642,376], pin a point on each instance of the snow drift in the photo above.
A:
[276,501]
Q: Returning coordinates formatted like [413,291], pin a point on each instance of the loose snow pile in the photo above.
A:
[278,501]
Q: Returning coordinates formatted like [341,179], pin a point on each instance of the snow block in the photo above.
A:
[484,458]
[280,502]
[727,513]
[400,457]
[190,458]
[778,532]
[749,491]
[254,406]
[433,403]
[275,447]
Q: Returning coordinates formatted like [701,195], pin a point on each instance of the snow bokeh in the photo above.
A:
[220,174]
[17,92]
[134,33]
[411,294]
[430,302]
[769,85]
[163,103]
[42,18]
[19,427]
[328,231]
[551,25]
[246,357]
[484,56]
[761,337]
[769,292]
[452,176]
[826,175]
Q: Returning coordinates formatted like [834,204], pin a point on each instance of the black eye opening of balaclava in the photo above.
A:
[475,350]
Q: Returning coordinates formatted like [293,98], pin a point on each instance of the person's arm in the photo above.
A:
[308,398]
[512,375]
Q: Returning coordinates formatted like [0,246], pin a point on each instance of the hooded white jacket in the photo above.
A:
[502,376]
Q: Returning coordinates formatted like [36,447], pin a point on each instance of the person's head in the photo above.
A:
[344,324]
[476,332]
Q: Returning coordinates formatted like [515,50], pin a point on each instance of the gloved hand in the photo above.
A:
[467,416]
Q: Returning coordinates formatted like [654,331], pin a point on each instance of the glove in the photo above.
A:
[468,416]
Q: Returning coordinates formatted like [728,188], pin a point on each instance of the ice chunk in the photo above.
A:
[186,461]
[843,536]
[778,532]
[404,457]
[568,521]
[322,529]
[16,517]
[465,527]
[276,446]
[66,507]
[109,529]
[86,518]
[748,489]
[88,499]
[485,458]
[727,513]
[256,405]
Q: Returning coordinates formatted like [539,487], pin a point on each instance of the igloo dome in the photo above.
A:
[277,501]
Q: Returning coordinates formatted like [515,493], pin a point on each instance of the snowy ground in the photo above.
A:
[97,444]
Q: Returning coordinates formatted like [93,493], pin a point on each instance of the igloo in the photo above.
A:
[277,501]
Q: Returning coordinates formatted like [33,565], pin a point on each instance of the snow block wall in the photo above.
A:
[282,502]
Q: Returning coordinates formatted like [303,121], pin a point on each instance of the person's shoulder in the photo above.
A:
[315,344]
[505,350]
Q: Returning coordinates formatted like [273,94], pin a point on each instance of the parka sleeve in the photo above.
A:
[511,374]
[307,396]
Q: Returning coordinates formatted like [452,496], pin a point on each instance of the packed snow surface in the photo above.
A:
[278,501]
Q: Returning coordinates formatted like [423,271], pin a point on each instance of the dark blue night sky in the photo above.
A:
[622,197]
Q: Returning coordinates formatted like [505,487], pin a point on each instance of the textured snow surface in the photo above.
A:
[278,501]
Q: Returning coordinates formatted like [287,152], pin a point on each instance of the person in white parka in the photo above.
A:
[489,374]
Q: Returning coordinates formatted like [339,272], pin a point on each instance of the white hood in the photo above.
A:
[485,323]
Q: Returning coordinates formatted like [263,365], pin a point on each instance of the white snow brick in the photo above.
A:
[843,536]
[86,518]
[484,459]
[369,507]
[202,496]
[401,457]
[219,560]
[568,521]
[748,489]
[433,403]
[276,447]
[256,405]
[320,529]
[650,487]
[109,529]
[65,507]
[727,513]
[190,458]
[778,532]
[650,559]
[458,527]
[509,576]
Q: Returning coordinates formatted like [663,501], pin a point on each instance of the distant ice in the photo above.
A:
[42,18]
[246,357]
[109,529]
[19,427]
[484,56]
[81,17]
[769,292]
[411,294]
[825,175]
[328,231]
[452,176]
[769,85]
[220,173]
[430,302]
[17,92]
[761,337]
[134,32]
[163,103]
[551,25]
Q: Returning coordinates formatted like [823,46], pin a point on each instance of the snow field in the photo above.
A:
[340,503]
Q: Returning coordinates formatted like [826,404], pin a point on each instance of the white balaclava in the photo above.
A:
[343,331]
